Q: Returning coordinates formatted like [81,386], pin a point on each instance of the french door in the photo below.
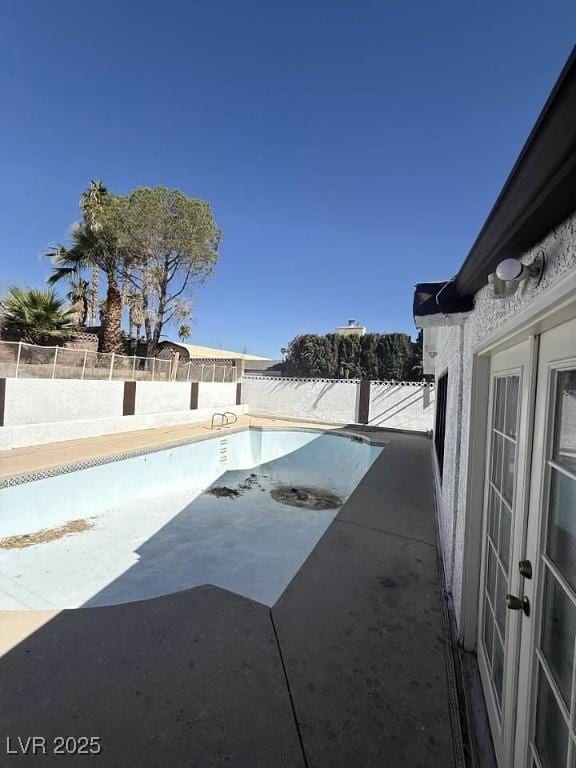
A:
[504,530]
[546,725]
[527,614]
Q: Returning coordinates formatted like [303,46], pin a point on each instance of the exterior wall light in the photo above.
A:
[511,272]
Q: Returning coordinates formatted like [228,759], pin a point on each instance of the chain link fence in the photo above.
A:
[21,360]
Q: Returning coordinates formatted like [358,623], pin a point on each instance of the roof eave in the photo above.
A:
[540,192]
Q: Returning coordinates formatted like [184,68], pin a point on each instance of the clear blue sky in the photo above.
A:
[349,148]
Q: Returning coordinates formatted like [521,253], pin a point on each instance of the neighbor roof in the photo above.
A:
[214,353]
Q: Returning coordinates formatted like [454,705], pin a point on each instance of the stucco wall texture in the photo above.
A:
[405,406]
[49,410]
[402,406]
[214,395]
[330,400]
[455,349]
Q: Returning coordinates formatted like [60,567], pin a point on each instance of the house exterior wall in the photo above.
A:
[455,346]
[449,360]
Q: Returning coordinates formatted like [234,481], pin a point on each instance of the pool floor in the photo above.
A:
[250,544]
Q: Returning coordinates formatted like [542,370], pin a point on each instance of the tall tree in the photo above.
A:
[135,315]
[91,205]
[79,296]
[184,332]
[96,247]
[171,242]
[387,356]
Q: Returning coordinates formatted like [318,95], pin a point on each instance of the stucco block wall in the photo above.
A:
[162,397]
[36,401]
[213,395]
[329,400]
[402,406]
[456,347]
[406,406]
[41,411]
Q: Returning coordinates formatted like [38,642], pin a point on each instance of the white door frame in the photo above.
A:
[553,306]
[517,361]
[553,360]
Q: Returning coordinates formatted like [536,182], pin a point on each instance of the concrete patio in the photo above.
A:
[349,667]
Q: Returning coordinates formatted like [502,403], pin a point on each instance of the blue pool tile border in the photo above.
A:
[64,469]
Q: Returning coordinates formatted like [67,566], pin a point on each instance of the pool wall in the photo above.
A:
[338,462]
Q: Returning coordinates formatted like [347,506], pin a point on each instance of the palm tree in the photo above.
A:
[80,297]
[135,315]
[36,316]
[94,249]
[184,332]
[91,205]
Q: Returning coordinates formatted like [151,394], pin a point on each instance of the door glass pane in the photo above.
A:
[488,629]
[499,404]
[511,405]
[504,538]
[508,469]
[491,575]
[494,515]
[562,524]
[498,667]
[558,634]
[496,473]
[551,732]
[501,589]
[565,437]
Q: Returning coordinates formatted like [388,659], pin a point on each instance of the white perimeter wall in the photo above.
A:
[402,406]
[49,410]
[162,397]
[394,406]
[330,400]
[214,395]
[36,401]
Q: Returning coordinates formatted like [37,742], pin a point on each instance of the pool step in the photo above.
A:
[223,451]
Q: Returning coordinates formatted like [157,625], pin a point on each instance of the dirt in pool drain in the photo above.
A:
[306,497]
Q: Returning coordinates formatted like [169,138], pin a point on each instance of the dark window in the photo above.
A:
[440,426]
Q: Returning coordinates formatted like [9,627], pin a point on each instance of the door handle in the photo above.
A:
[525,568]
[518,604]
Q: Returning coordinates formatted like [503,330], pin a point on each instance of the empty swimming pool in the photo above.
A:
[241,511]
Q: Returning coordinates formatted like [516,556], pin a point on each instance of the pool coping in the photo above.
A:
[362,435]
